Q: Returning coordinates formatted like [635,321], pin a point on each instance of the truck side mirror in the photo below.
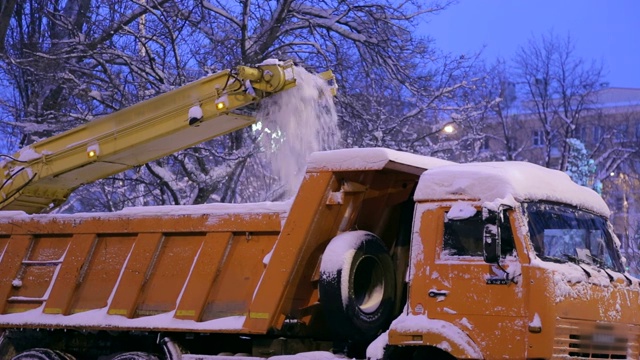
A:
[491,236]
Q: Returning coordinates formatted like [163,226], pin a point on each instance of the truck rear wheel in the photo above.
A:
[42,354]
[415,353]
[357,286]
[135,356]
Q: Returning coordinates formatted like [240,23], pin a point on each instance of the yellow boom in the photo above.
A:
[45,173]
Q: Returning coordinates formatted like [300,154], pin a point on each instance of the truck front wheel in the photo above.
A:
[357,286]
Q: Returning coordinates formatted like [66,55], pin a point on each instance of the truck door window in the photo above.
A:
[561,233]
[463,237]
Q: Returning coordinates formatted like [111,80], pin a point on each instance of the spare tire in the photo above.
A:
[357,286]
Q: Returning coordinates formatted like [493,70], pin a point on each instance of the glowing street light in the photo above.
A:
[449,128]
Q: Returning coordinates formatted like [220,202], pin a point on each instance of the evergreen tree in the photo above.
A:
[580,167]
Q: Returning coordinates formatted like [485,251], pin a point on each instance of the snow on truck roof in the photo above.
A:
[501,182]
[493,182]
[504,182]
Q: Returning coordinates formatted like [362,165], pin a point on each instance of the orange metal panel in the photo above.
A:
[12,257]
[238,274]
[115,223]
[168,273]
[37,272]
[69,275]
[136,272]
[305,227]
[202,276]
[14,252]
[103,272]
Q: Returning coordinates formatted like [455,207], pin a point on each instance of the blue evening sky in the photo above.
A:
[607,30]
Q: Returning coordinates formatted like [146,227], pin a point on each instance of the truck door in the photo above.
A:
[450,280]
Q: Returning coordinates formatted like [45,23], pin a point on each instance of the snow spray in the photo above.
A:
[294,124]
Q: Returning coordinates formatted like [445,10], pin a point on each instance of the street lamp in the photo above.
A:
[447,128]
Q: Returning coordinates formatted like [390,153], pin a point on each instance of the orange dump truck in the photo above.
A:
[381,254]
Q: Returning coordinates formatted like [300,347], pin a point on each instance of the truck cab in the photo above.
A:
[512,260]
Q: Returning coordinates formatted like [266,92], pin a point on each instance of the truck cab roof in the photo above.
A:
[506,183]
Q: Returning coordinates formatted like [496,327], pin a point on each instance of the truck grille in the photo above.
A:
[589,340]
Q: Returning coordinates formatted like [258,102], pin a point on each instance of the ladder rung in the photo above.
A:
[42,262]
[25,299]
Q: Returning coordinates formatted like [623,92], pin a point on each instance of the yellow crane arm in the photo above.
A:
[45,173]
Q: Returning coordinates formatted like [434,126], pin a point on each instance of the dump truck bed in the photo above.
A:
[160,268]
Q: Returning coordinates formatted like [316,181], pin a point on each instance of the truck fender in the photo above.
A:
[440,334]
[357,286]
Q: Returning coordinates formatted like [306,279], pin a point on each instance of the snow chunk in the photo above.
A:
[461,211]
[506,181]
[536,322]
[96,95]
[375,350]
[466,323]
[267,257]
[27,154]
[195,113]
[271,62]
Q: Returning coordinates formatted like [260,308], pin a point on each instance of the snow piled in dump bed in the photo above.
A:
[100,318]
[505,183]
[213,210]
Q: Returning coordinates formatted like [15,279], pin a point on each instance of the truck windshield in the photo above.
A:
[561,233]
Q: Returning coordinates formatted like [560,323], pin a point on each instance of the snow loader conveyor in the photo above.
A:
[42,175]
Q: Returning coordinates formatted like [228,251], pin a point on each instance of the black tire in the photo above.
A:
[42,354]
[368,281]
[135,356]
[415,353]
